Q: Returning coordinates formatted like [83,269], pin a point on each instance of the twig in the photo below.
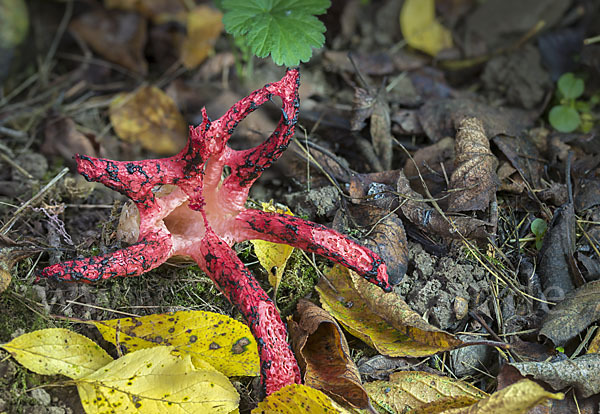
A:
[6,228]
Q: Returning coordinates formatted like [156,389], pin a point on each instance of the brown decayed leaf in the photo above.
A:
[380,130]
[580,372]
[430,220]
[418,392]
[440,116]
[61,137]
[523,155]
[385,235]
[474,178]
[517,398]
[558,273]
[434,162]
[324,356]
[571,316]
[159,127]
[117,36]
[204,25]
[159,11]
[401,333]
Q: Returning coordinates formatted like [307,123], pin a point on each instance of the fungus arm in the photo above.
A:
[314,238]
[248,165]
[131,261]
[278,364]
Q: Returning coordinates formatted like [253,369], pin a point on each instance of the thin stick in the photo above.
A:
[6,228]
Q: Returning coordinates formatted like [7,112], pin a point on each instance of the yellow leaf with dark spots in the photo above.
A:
[416,391]
[517,398]
[150,117]
[223,342]
[156,381]
[382,320]
[57,351]
[297,398]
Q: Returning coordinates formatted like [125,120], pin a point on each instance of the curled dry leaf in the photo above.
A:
[517,398]
[575,313]
[474,181]
[117,36]
[386,323]
[324,356]
[204,25]
[434,162]
[228,345]
[159,127]
[418,212]
[420,392]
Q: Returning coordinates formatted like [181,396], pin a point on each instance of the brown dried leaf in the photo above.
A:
[517,398]
[117,36]
[430,220]
[385,235]
[557,270]
[576,312]
[324,356]
[474,179]
[368,64]
[435,163]
[580,372]
[419,392]
[524,156]
[381,135]
[440,116]
[158,126]
[62,138]
[204,25]
[159,11]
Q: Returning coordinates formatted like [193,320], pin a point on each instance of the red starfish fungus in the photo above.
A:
[187,208]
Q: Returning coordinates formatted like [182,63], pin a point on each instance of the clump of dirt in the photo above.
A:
[438,287]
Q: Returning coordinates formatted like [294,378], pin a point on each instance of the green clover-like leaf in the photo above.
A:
[564,118]
[570,87]
[285,29]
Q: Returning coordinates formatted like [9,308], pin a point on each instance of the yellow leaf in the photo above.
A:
[57,351]
[517,398]
[150,117]
[413,391]
[420,28]
[204,25]
[156,381]
[223,342]
[273,256]
[295,399]
[401,333]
